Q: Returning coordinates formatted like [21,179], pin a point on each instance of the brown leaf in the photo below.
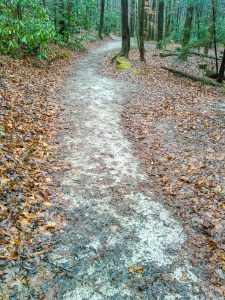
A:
[138,270]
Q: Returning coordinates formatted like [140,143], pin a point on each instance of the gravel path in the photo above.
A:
[121,242]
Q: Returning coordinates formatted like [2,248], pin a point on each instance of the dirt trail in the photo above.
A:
[121,242]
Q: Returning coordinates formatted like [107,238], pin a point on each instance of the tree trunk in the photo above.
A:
[198,18]
[101,19]
[132,17]
[168,19]
[178,19]
[141,29]
[214,9]
[68,18]
[209,35]
[125,29]
[188,25]
[153,18]
[149,25]
[187,32]
[62,24]
[222,69]
[160,21]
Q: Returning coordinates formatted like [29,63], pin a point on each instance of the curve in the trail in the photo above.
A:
[121,242]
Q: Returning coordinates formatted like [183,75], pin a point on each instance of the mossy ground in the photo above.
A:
[123,63]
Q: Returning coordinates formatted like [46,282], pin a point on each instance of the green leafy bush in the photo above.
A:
[112,19]
[25,28]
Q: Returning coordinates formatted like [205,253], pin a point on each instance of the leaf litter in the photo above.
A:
[31,214]
[177,130]
[27,158]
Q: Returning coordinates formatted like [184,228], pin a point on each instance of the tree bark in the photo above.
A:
[188,25]
[187,32]
[198,18]
[168,19]
[153,20]
[132,17]
[141,29]
[222,69]
[62,24]
[125,29]
[214,8]
[209,35]
[160,21]
[68,18]
[101,19]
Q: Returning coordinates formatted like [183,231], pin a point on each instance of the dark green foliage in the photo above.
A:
[202,15]
[24,30]
[28,26]
[112,22]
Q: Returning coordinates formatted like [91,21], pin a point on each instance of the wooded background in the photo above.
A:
[28,26]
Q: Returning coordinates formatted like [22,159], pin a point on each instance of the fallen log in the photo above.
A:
[177,53]
[190,76]
[166,53]
[203,55]
[212,74]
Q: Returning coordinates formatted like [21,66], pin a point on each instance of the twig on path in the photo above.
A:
[115,57]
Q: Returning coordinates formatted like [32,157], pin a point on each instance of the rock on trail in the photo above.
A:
[120,242]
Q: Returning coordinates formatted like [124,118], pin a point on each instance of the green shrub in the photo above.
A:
[24,32]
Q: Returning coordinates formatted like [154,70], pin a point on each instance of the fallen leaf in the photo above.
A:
[138,270]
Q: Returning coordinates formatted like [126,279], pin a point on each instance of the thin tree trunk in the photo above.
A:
[125,29]
[101,19]
[141,29]
[132,17]
[187,26]
[198,26]
[160,21]
[62,25]
[149,25]
[153,18]
[209,35]
[187,32]
[222,69]
[178,19]
[69,16]
[168,19]
[214,7]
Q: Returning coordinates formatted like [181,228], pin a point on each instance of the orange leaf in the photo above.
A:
[137,270]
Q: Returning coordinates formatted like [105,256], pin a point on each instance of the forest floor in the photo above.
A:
[177,130]
[119,241]
[28,126]
[120,168]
